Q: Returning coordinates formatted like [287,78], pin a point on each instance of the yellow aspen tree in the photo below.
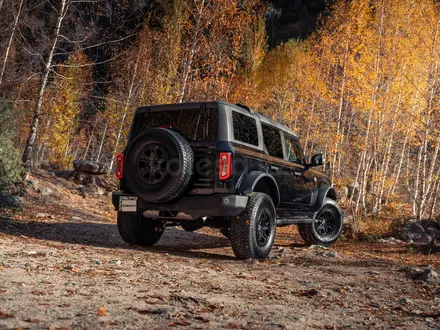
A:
[62,108]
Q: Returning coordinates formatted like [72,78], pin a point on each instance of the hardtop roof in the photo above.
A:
[195,105]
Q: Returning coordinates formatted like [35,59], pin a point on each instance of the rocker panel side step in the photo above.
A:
[293,219]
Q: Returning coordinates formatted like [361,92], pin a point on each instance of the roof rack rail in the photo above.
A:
[262,114]
[243,106]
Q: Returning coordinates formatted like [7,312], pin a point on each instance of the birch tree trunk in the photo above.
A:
[126,109]
[104,134]
[188,65]
[90,139]
[11,39]
[27,155]
[341,106]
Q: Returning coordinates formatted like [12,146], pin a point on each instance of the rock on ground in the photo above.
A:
[91,167]
[45,191]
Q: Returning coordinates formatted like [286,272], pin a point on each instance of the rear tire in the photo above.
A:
[253,232]
[326,228]
[135,229]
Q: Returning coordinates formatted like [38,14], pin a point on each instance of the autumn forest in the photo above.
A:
[363,88]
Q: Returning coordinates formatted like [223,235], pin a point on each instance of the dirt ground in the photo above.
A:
[63,265]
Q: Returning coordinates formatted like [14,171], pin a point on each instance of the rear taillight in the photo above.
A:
[119,166]
[225,165]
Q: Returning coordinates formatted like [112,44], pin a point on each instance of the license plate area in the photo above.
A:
[128,204]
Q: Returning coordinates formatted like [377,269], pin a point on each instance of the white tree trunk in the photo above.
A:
[90,139]
[11,39]
[189,62]
[27,155]
[126,109]
[104,134]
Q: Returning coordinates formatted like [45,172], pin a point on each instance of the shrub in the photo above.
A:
[11,166]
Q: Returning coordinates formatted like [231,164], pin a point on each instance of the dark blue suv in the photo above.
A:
[224,166]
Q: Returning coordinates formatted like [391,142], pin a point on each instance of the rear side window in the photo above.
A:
[245,128]
[193,124]
[272,141]
[293,149]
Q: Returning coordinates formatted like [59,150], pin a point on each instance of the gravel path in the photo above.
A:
[62,272]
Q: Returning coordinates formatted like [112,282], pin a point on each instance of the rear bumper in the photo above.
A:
[218,205]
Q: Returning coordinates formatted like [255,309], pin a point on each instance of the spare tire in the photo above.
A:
[159,165]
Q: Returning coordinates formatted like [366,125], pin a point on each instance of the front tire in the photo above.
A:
[326,227]
[253,232]
[135,229]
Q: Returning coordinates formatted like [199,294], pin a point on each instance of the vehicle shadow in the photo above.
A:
[105,235]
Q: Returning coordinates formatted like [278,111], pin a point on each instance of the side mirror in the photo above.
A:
[317,160]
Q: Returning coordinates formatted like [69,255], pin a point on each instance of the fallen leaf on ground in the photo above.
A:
[31,320]
[203,319]
[101,311]
[4,315]
[233,325]
[177,323]
[309,293]
[148,311]
[110,323]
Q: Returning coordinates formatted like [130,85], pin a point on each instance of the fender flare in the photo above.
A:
[251,180]
[323,192]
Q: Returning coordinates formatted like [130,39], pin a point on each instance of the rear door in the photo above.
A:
[273,146]
[299,186]
[199,125]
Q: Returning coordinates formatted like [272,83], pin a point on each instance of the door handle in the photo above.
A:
[298,173]
[274,168]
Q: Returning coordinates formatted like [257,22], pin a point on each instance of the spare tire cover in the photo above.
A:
[159,165]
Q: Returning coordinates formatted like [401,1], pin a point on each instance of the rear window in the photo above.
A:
[272,141]
[245,128]
[193,124]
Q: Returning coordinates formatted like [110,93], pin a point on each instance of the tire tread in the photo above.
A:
[171,192]
[239,230]
[306,231]
[135,232]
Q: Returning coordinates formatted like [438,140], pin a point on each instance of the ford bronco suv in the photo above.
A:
[224,166]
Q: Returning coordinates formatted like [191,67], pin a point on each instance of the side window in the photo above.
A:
[293,149]
[245,128]
[272,141]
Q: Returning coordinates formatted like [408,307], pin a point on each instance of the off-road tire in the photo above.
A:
[138,230]
[309,233]
[244,228]
[180,156]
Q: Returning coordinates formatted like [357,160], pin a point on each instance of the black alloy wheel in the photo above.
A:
[153,164]
[263,228]
[325,224]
